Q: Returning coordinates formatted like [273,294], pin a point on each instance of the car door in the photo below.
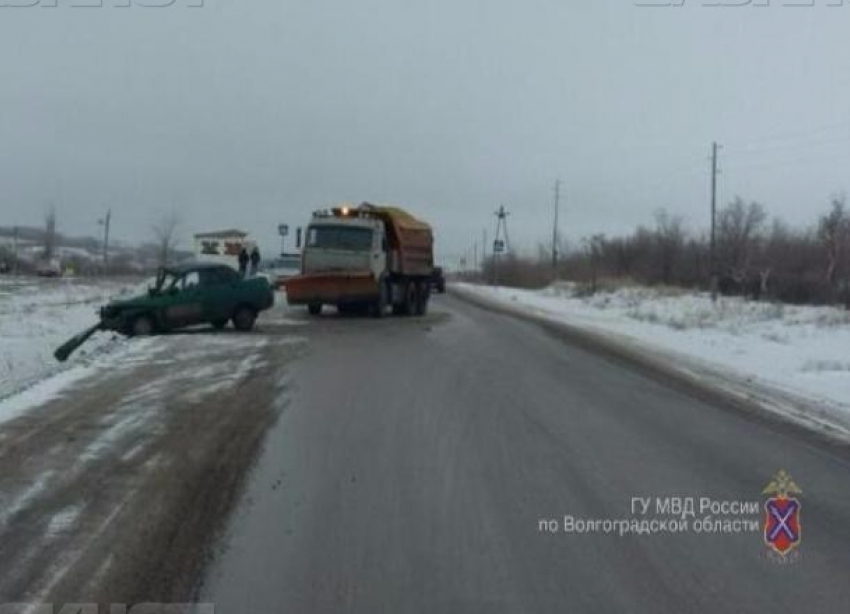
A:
[220,292]
[185,305]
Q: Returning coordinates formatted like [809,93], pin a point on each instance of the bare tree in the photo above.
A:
[807,264]
[834,233]
[771,256]
[595,246]
[738,230]
[165,236]
[49,232]
[669,238]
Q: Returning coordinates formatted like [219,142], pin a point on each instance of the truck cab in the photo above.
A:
[345,244]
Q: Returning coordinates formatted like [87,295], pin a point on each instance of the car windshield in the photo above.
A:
[165,281]
[346,238]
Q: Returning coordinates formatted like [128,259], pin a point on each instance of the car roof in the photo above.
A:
[180,269]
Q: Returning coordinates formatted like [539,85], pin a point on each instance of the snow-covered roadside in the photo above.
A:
[802,351]
[38,315]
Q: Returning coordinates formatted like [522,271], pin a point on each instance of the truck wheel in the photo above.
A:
[411,297]
[423,294]
[379,307]
[142,326]
[219,324]
[244,318]
[314,308]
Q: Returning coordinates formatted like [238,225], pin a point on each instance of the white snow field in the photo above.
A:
[38,315]
[800,350]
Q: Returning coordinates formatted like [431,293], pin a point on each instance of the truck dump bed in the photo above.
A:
[410,241]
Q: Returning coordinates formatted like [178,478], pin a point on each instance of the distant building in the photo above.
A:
[222,246]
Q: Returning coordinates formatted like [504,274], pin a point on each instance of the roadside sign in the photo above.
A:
[283,230]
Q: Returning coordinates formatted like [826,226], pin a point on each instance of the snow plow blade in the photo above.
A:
[331,288]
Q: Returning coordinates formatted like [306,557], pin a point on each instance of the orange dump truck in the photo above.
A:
[365,258]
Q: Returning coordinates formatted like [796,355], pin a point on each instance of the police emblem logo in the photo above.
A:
[782,527]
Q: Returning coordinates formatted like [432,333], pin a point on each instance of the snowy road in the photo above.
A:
[415,461]
[407,466]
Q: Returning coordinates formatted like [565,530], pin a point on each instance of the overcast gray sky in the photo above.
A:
[250,113]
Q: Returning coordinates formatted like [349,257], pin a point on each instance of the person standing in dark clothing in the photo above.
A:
[243,261]
[255,260]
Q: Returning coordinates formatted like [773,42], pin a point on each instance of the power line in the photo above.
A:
[790,135]
[808,143]
[791,160]
[694,167]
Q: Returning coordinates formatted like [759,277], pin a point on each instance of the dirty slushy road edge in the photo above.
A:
[163,505]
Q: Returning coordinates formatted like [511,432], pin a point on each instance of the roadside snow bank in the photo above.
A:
[796,349]
[38,315]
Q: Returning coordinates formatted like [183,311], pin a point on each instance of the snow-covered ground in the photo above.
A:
[38,315]
[800,350]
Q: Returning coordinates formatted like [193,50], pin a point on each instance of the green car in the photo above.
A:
[188,295]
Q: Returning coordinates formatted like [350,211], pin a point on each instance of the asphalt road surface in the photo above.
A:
[415,459]
[346,464]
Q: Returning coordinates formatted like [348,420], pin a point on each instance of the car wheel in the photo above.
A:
[219,324]
[142,326]
[244,318]
[314,308]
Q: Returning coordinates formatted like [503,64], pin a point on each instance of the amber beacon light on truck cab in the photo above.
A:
[365,258]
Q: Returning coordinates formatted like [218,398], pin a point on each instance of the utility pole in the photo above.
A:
[713,254]
[15,249]
[106,221]
[483,250]
[555,228]
[500,246]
